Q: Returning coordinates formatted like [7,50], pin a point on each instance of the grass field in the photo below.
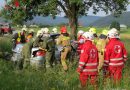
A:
[53,79]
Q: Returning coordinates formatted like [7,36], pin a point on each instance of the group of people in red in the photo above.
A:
[115,56]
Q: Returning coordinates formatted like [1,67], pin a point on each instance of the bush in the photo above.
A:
[116,25]
[5,44]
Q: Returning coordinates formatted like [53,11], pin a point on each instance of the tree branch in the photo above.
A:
[62,6]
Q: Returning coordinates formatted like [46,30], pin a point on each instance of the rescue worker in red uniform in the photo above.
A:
[80,41]
[88,62]
[115,56]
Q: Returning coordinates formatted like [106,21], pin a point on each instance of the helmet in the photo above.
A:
[39,33]
[92,30]
[45,30]
[24,26]
[42,30]
[31,31]
[54,30]
[88,36]
[80,32]
[113,33]
[105,32]
[24,29]
[115,30]
[63,29]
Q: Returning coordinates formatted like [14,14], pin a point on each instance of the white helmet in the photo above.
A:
[45,30]
[54,30]
[42,30]
[39,33]
[80,32]
[31,31]
[24,26]
[24,29]
[88,36]
[113,33]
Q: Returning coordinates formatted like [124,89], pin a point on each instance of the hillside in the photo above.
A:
[106,21]
[84,20]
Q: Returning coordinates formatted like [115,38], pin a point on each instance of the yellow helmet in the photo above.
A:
[105,32]
[93,30]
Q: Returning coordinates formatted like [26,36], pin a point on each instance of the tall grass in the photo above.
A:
[5,44]
[53,78]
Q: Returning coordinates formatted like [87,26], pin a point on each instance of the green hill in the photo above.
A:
[106,21]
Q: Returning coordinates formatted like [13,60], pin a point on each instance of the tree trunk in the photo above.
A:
[71,12]
[73,22]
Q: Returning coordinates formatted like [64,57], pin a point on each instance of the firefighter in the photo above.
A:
[26,54]
[64,41]
[26,50]
[30,35]
[101,43]
[48,44]
[18,37]
[115,56]
[22,35]
[94,31]
[38,37]
[14,40]
[88,62]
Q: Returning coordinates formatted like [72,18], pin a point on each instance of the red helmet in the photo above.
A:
[63,29]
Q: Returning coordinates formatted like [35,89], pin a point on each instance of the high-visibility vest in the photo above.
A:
[19,38]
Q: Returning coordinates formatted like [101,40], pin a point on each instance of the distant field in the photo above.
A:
[54,79]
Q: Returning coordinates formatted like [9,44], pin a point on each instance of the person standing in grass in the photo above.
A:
[48,44]
[101,43]
[88,62]
[64,41]
[115,56]
[80,41]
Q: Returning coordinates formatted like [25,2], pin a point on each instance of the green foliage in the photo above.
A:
[30,8]
[5,44]
[115,24]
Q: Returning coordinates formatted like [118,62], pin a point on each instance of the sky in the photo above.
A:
[100,13]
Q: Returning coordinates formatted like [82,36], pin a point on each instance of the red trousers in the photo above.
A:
[84,79]
[116,73]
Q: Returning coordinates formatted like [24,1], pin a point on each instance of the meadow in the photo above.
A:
[54,78]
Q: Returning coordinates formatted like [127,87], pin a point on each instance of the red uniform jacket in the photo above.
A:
[80,44]
[88,59]
[115,53]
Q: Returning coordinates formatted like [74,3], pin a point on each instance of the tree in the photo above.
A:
[72,8]
[115,24]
